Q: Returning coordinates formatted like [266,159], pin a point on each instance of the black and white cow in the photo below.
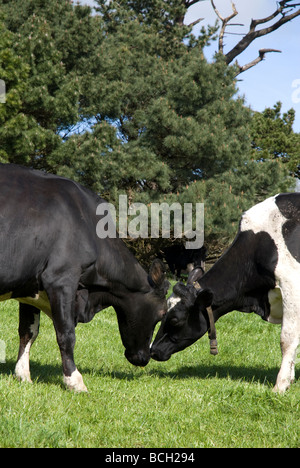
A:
[52,260]
[260,272]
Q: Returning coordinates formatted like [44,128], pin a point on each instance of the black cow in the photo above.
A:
[52,260]
[260,272]
[179,258]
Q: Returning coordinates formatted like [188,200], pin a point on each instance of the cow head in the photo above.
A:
[186,320]
[139,313]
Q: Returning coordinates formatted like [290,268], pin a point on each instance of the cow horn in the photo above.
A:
[195,275]
[212,334]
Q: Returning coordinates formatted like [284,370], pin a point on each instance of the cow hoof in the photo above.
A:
[22,378]
[22,374]
[281,388]
[74,382]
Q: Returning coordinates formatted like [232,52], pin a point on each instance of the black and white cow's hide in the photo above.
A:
[260,272]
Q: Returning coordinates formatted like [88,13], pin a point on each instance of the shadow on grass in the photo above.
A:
[204,372]
[221,371]
[46,373]
[52,373]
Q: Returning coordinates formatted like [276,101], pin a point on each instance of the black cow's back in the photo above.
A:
[40,216]
[47,220]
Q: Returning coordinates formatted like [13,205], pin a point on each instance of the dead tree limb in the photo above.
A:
[254,62]
[225,22]
[254,34]
[284,13]
[196,22]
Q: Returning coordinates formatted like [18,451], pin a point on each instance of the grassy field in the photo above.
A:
[193,400]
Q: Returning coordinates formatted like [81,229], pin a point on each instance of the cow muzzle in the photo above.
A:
[159,349]
[141,358]
[158,355]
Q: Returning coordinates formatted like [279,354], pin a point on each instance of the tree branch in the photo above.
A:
[254,62]
[189,3]
[196,22]
[253,34]
[224,23]
[283,14]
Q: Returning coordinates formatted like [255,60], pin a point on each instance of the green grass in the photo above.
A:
[193,400]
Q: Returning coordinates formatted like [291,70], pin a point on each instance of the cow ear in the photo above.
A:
[205,297]
[195,275]
[157,274]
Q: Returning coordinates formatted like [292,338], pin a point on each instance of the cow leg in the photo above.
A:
[289,341]
[29,321]
[62,302]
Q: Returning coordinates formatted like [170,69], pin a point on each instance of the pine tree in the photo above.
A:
[167,98]
[273,137]
[124,101]
[49,37]
[14,124]
[164,95]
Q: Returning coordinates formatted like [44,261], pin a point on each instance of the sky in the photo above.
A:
[277,78]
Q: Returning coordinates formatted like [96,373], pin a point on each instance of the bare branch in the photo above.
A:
[255,23]
[225,22]
[189,3]
[216,11]
[284,13]
[196,22]
[235,34]
[254,62]
[253,34]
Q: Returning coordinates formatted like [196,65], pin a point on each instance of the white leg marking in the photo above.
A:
[22,369]
[75,382]
[290,332]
